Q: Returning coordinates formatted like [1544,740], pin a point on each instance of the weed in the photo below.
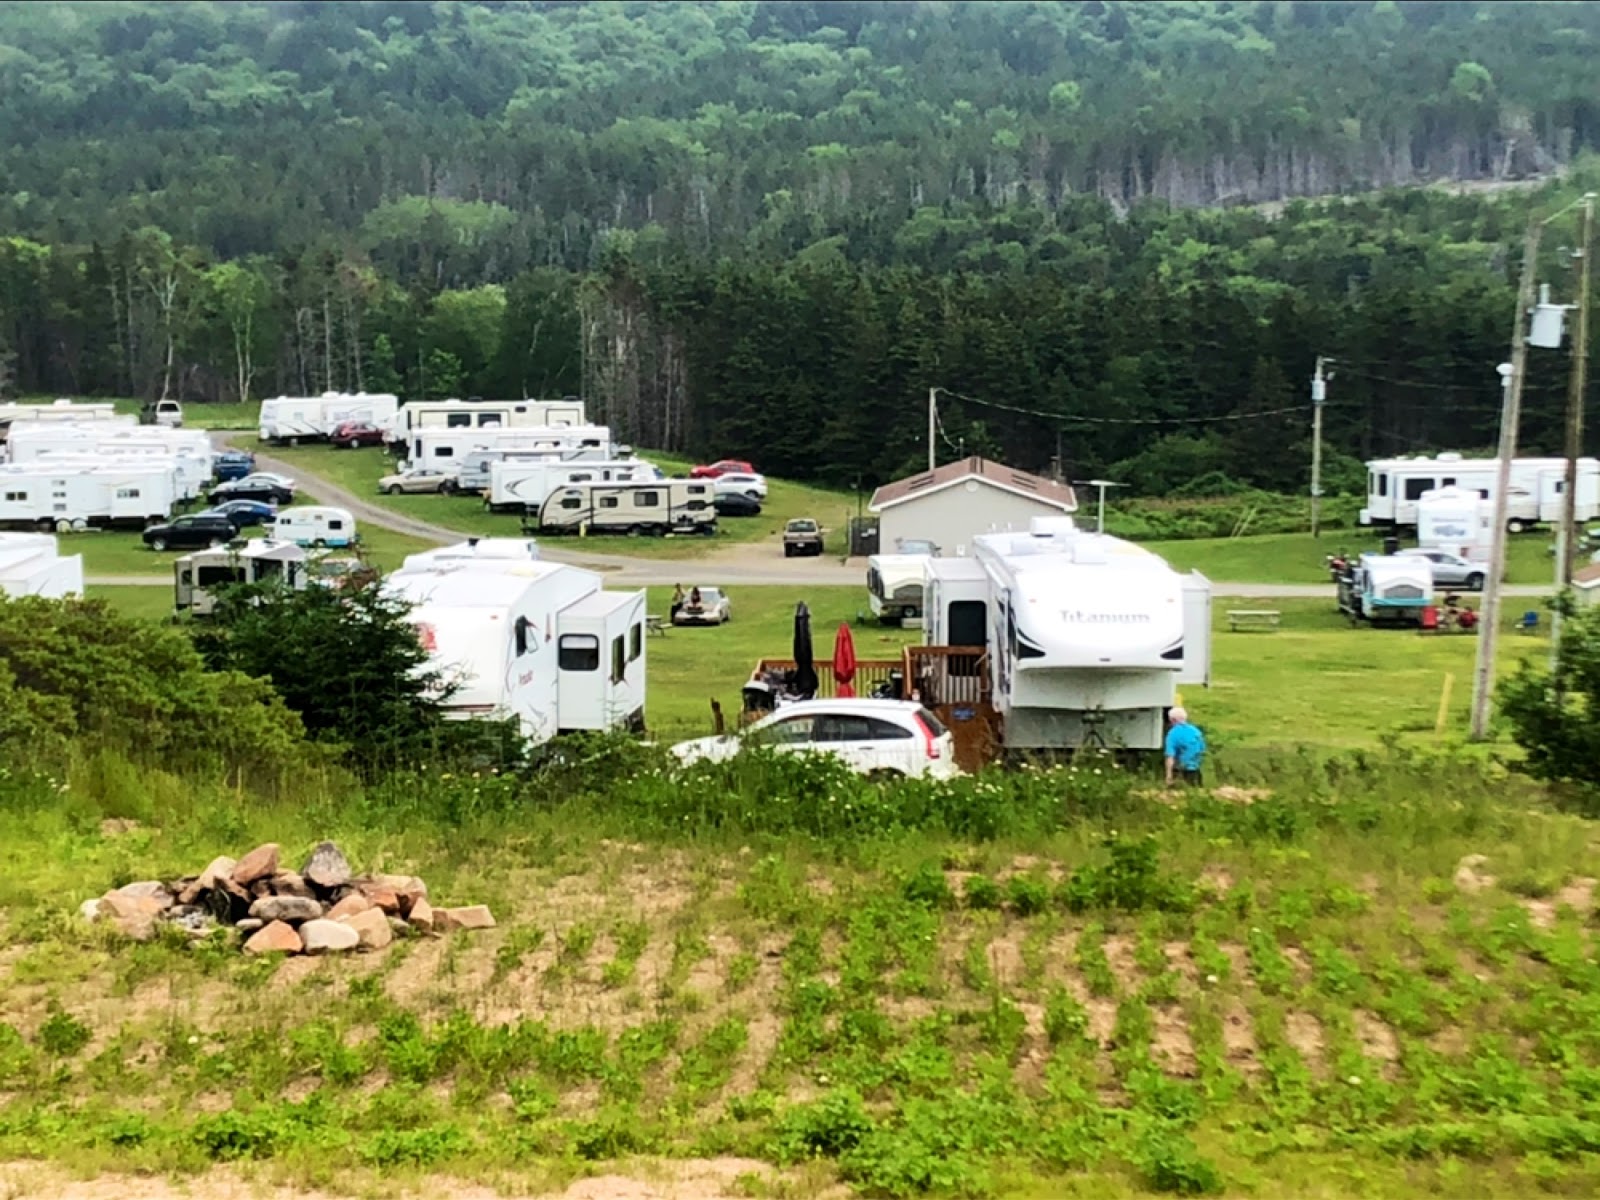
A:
[1092,961]
[827,1128]
[1169,1162]
[1131,880]
[741,970]
[1066,1022]
[520,941]
[576,943]
[1028,895]
[62,1035]
[981,892]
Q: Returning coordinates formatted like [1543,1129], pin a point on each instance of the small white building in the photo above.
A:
[1586,585]
[952,504]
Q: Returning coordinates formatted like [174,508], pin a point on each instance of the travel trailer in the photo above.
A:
[189,449]
[446,449]
[515,486]
[1456,520]
[296,419]
[195,576]
[1385,589]
[59,411]
[74,496]
[537,642]
[1085,638]
[31,564]
[474,473]
[481,414]
[895,581]
[653,508]
[480,550]
[1395,485]
[316,525]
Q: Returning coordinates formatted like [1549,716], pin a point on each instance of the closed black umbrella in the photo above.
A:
[805,667]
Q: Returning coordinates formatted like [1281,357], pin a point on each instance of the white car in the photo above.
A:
[881,738]
[739,483]
[712,608]
[1451,570]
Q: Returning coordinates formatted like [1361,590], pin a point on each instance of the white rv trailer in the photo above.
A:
[516,486]
[295,419]
[474,473]
[895,581]
[1394,485]
[259,560]
[445,449]
[653,508]
[189,449]
[68,496]
[1456,520]
[71,411]
[481,414]
[514,550]
[315,525]
[31,564]
[534,641]
[1087,637]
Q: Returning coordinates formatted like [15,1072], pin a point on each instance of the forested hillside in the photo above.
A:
[768,228]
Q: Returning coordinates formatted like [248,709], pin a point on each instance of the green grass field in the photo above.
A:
[1298,557]
[121,552]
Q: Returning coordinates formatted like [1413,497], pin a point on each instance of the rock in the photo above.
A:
[117,826]
[400,927]
[407,888]
[196,922]
[421,916]
[138,928]
[471,916]
[321,936]
[249,924]
[274,938]
[1470,875]
[260,863]
[352,904]
[148,889]
[381,897]
[122,907]
[372,927]
[327,868]
[289,883]
[215,875]
[93,910]
[286,908]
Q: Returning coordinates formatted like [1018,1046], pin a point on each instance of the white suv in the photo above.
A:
[754,486]
[874,737]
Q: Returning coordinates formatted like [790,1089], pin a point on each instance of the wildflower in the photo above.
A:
[194,1039]
[1354,1081]
[1211,979]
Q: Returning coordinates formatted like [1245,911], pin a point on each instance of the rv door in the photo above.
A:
[1196,630]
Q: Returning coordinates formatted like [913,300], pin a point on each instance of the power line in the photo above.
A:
[1049,416]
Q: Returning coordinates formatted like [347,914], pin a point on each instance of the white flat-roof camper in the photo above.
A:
[189,450]
[447,449]
[483,414]
[58,411]
[1086,637]
[474,474]
[31,564]
[66,496]
[476,549]
[1456,520]
[1537,487]
[515,486]
[261,560]
[653,508]
[537,642]
[296,419]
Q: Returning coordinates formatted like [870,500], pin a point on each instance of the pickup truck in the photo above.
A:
[802,536]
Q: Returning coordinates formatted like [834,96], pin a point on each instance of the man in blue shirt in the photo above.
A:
[1185,749]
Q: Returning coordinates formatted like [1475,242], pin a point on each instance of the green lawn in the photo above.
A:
[360,470]
[121,552]
[1298,557]
[205,416]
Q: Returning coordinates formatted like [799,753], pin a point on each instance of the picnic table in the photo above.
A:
[655,626]
[1241,620]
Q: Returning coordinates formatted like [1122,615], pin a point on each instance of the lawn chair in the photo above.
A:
[1529,622]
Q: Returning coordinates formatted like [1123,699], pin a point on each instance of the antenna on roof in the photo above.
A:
[1102,484]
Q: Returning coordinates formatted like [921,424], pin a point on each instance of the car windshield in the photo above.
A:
[935,726]
[708,595]
[802,526]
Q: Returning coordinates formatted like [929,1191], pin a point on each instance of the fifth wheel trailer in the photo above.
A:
[1085,637]
[31,564]
[1536,495]
[538,642]
[295,419]
[482,414]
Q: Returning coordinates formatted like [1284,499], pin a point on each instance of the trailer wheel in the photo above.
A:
[1515,526]
[635,530]
[63,526]
[294,441]
[319,543]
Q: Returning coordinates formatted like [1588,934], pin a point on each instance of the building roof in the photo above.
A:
[1007,479]
[1587,577]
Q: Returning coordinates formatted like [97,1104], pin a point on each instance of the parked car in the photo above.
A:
[802,536]
[736,504]
[162,412]
[1450,570]
[741,483]
[704,606]
[884,738]
[195,531]
[417,479]
[347,435]
[722,466]
[259,485]
[244,513]
[232,464]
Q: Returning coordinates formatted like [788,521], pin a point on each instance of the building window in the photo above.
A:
[578,652]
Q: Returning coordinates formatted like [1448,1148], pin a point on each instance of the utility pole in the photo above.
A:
[1575,398]
[933,425]
[1510,413]
[1319,397]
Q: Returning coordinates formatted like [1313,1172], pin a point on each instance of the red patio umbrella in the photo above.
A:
[844,662]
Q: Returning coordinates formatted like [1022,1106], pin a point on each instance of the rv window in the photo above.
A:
[213,576]
[619,660]
[1561,486]
[1415,488]
[521,628]
[1383,485]
[444,451]
[608,501]
[572,502]
[457,420]
[580,477]
[488,419]
[1448,481]
[647,499]
[697,489]
[697,506]
[635,643]
[521,408]
[335,524]
[578,652]
[267,568]
[127,493]
[969,623]
[16,495]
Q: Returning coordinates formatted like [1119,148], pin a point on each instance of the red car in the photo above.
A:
[723,466]
[347,435]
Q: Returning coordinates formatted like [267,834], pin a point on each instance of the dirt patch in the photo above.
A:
[1304,1033]
[1239,795]
[1472,875]
[1181,961]
[1170,1044]
[1119,954]
[1450,1041]
[1239,1039]
[1301,964]
[1218,879]
[1005,958]
[1377,1040]
[1578,895]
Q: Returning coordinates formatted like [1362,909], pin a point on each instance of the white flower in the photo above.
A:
[194,1040]
[1211,979]
[1354,1081]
